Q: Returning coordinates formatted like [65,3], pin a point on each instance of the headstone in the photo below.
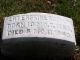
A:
[38,35]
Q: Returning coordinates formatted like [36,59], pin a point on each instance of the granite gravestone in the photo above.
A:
[38,35]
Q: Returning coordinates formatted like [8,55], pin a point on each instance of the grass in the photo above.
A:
[69,8]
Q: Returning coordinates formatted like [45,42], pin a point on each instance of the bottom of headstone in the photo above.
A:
[37,47]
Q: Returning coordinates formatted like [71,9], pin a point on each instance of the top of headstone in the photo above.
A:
[37,24]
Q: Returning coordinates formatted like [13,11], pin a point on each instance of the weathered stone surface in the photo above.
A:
[38,35]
